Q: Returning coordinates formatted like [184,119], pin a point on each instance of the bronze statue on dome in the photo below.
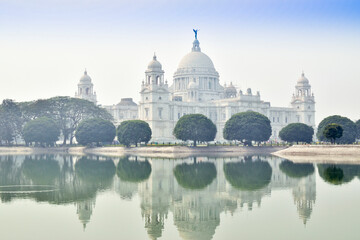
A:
[195,31]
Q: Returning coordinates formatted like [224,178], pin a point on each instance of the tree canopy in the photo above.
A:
[67,112]
[358,128]
[249,174]
[95,130]
[296,170]
[133,171]
[349,129]
[297,132]
[10,121]
[247,127]
[133,132]
[333,131]
[43,171]
[42,130]
[195,127]
[195,176]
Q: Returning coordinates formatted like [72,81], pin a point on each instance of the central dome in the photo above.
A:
[196,60]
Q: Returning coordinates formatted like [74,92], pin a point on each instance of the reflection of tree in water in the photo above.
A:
[42,170]
[195,176]
[296,170]
[248,174]
[96,173]
[337,174]
[133,171]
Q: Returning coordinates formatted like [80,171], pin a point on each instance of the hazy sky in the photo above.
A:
[45,45]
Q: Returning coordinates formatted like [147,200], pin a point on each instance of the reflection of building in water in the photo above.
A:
[196,213]
[304,196]
[84,210]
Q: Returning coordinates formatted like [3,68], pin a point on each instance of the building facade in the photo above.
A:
[196,89]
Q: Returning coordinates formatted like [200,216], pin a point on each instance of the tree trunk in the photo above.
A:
[194,143]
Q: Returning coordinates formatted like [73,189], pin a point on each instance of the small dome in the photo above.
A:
[192,85]
[303,79]
[230,91]
[154,64]
[127,102]
[85,78]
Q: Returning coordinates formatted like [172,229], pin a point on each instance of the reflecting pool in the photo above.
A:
[244,197]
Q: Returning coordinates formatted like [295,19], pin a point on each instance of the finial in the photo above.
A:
[154,57]
[85,72]
[302,73]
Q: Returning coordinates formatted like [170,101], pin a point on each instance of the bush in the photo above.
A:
[95,130]
[195,127]
[297,132]
[349,127]
[247,127]
[42,130]
[133,132]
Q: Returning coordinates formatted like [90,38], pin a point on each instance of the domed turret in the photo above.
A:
[303,80]
[154,64]
[85,88]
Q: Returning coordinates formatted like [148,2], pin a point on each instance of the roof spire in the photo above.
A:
[154,57]
[85,72]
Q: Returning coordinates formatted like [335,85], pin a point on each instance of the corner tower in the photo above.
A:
[154,105]
[85,89]
[303,101]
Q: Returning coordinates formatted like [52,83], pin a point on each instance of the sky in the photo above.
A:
[45,46]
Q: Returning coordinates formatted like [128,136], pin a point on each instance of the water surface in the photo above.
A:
[245,197]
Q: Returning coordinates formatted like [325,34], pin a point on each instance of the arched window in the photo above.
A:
[80,90]
[157,80]
[87,91]
[149,79]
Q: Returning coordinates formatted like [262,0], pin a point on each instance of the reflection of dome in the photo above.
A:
[199,230]
[85,78]
[84,211]
[154,64]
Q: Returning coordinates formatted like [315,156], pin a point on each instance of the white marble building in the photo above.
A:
[196,89]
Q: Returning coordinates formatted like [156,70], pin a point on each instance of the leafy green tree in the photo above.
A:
[247,127]
[95,130]
[42,130]
[333,131]
[358,128]
[133,132]
[349,127]
[195,127]
[196,175]
[10,121]
[297,132]
[133,171]
[296,170]
[67,112]
[249,174]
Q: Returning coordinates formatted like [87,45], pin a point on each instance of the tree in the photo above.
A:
[133,171]
[338,174]
[247,127]
[95,130]
[358,128]
[196,175]
[195,127]
[10,121]
[42,130]
[248,174]
[333,131]
[297,132]
[67,112]
[349,129]
[133,132]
